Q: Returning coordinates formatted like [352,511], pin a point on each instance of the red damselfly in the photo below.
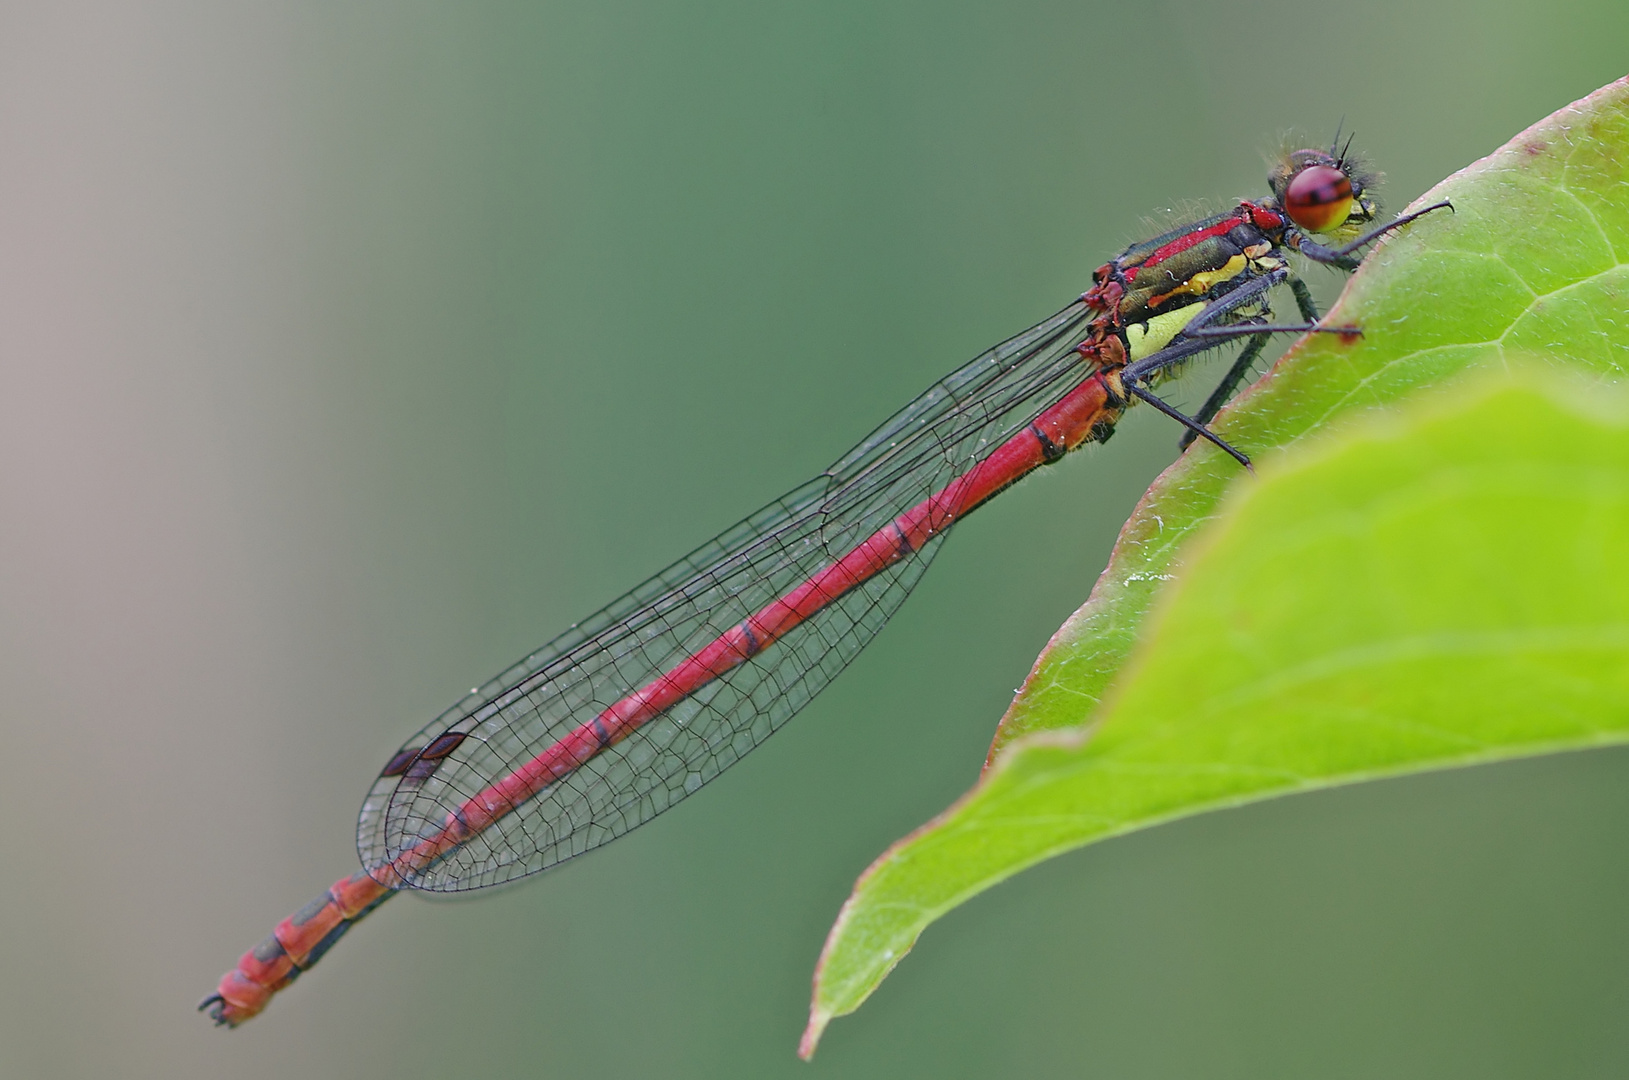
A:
[644,702]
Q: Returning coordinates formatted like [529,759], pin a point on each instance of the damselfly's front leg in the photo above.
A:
[1338,256]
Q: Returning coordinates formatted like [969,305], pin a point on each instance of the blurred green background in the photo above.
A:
[348,352]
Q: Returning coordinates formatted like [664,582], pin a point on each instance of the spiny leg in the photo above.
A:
[1189,344]
[1337,256]
[1198,336]
[1225,389]
[1304,300]
[1186,421]
[1246,360]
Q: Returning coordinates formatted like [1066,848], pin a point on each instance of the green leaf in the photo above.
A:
[1530,262]
[1352,618]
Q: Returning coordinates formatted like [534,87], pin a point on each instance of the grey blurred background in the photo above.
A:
[348,352]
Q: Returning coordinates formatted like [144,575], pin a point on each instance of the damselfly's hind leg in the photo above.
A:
[1195,428]
[1225,389]
[1199,335]
[1245,362]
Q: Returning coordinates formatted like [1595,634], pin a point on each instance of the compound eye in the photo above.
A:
[1319,198]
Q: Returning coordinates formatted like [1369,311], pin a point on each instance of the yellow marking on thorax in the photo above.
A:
[1155,334]
[1149,337]
[1202,282]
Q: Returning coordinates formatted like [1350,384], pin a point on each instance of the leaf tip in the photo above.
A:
[818,1019]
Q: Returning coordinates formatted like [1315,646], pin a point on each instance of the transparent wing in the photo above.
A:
[645,636]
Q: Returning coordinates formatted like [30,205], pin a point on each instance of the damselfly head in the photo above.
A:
[1321,192]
